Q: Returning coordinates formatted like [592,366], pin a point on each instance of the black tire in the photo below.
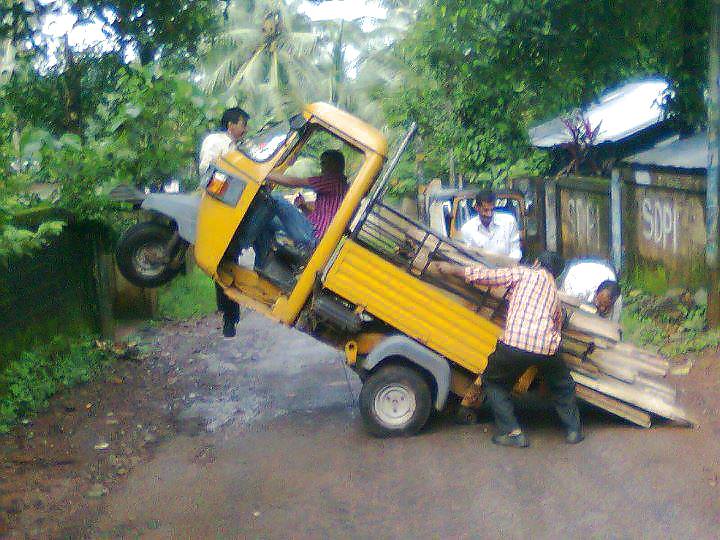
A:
[132,252]
[399,386]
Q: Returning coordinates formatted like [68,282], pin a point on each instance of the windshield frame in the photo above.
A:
[281,129]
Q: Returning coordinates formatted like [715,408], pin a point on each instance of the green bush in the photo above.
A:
[652,280]
[666,323]
[30,380]
[191,295]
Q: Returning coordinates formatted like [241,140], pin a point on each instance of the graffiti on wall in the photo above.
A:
[584,224]
[659,222]
[670,226]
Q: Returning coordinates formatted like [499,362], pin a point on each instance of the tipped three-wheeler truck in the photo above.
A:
[368,287]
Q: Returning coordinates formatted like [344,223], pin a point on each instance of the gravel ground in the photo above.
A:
[260,437]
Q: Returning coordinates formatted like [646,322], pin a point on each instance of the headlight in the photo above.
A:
[225,187]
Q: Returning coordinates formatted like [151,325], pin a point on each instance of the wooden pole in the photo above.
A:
[453,181]
[551,228]
[616,219]
[713,173]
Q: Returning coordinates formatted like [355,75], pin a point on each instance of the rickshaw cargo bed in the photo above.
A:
[389,271]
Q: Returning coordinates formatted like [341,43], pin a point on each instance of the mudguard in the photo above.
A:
[417,354]
[180,207]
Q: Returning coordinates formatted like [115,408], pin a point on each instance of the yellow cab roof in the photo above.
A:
[349,125]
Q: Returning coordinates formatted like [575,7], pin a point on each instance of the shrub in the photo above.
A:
[31,379]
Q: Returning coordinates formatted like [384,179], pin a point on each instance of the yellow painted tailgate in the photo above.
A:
[414,307]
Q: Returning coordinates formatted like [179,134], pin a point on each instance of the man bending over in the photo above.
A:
[531,338]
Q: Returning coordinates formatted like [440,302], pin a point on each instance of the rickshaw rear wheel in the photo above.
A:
[142,258]
[395,400]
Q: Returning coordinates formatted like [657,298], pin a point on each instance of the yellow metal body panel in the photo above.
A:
[217,221]
[286,309]
[216,226]
[414,307]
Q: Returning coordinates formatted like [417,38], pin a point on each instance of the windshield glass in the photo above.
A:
[262,146]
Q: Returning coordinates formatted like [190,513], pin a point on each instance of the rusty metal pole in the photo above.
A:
[713,173]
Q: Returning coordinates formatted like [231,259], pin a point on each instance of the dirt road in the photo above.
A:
[259,437]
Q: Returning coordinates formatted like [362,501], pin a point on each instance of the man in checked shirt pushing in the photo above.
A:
[531,338]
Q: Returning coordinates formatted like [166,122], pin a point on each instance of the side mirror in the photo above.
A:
[297,122]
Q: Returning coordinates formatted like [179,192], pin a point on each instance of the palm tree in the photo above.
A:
[337,36]
[265,56]
[376,68]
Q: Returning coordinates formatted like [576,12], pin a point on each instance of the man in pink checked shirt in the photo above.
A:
[531,338]
[331,186]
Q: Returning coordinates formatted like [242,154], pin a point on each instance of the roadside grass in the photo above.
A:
[31,378]
[187,296]
[651,280]
[673,325]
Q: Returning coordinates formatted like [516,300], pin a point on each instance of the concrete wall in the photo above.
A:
[663,220]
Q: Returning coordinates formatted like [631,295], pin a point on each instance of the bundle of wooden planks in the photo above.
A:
[615,376]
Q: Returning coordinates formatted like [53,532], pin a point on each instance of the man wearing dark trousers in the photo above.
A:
[531,338]
[233,127]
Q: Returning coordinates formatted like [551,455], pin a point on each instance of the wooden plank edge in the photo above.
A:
[618,408]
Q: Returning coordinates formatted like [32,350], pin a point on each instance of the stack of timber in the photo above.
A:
[615,376]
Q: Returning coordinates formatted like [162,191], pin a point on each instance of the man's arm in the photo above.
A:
[479,275]
[514,241]
[448,269]
[466,232]
[288,181]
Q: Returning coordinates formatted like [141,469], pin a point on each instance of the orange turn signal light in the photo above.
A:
[218,184]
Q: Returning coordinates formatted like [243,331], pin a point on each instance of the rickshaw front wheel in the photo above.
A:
[142,255]
[395,400]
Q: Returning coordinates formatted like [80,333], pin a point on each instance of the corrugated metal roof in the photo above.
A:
[688,153]
[620,112]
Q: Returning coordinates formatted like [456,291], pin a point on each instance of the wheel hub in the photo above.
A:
[150,259]
[395,405]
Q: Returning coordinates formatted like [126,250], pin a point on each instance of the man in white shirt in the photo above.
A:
[233,126]
[491,231]
[593,282]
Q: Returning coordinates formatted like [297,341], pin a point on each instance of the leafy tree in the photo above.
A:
[144,130]
[478,73]
[264,52]
[357,82]
[150,30]
[63,97]
[16,240]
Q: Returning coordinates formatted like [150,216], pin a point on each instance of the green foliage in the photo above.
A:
[143,131]
[148,126]
[651,280]
[191,295]
[63,97]
[477,73]
[673,324]
[404,178]
[15,240]
[28,381]
[149,31]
